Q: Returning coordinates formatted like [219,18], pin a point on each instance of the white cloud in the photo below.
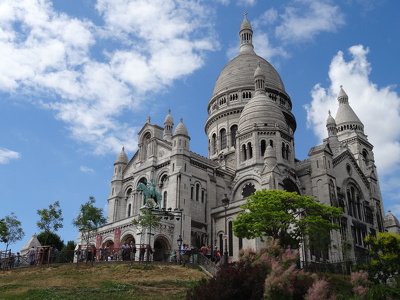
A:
[149,46]
[378,108]
[304,19]
[7,155]
[86,169]
[246,2]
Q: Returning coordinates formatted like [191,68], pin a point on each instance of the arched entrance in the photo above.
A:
[162,249]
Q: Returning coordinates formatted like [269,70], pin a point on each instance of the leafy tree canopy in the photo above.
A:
[385,256]
[47,238]
[89,219]
[3,230]
[286,216]
[13,231]
[50,219]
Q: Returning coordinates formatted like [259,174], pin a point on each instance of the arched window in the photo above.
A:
[197,191]
[222,135]
[284,151]
[129,210]
[214,143]
[250,150]
[244,152]
[287,151]
[234,129]
[202,196]
[263,147]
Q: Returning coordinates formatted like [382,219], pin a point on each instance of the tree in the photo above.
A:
[146,221]
[13,232]
[385,256]
[3,230]
[286,216]
[50,220]
[50,238]
[89,220]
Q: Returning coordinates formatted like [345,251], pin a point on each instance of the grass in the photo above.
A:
[103,281]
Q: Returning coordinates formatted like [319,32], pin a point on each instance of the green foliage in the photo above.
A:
[286,216]
[51,218]
[385,256]
[11,231]
[3,231]
[49,238]
[89,219]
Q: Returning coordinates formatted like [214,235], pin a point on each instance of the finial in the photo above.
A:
[341,86]
[148,120]
[123,148]
[169,111]
[245,15]
[181,120]
[329,112]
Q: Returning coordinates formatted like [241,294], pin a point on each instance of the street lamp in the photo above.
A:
[179,247]
[225,204]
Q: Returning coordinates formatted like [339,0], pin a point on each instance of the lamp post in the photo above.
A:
[179,247]
[225,204]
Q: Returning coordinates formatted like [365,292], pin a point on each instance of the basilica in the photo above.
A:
[250,129]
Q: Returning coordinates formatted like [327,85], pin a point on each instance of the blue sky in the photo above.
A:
[79,78]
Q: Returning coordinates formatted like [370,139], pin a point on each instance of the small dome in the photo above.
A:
[181,129]
[168,118]
[345,114]
[122,157]
[245,25]
[261,111]
[330,120]
[390,220]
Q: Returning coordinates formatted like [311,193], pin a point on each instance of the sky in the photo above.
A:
[78,79]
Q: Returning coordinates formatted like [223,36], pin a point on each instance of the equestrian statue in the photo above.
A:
[151,196]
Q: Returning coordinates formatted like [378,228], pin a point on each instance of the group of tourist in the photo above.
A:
[42,255]
[213,255]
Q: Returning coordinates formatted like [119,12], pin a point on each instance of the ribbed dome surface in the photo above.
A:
[181,129]
[122,157]
[330,120]
[239,72]
[261,111]
[169,119]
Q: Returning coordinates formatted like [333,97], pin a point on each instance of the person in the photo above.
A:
[141,252]
[31,255]
[54,254]
[172,258]
[208,255]
[18,259]
[215,255]
[79,254]
[203,250]
[148,252]
[125,251]
[132,247]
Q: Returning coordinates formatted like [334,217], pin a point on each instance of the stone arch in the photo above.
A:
[162,248]
[290,186]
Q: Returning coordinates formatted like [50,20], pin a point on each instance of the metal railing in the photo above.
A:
[207,264]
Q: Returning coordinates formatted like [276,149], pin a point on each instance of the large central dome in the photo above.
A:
[239,72]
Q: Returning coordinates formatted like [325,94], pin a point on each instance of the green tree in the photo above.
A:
[89,220]
[146,221]
[286,216]
[13,232]
[50,221]
[50,238]
[3,230]
[67,252]
[385,256]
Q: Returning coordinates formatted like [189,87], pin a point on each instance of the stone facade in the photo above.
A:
[250,129]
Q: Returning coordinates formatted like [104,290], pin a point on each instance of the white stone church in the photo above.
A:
[250,129]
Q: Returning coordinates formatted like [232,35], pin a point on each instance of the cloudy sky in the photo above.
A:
[79,78]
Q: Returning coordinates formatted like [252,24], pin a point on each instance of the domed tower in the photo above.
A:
[116,187]
[168,125]
[233,89]
[180,139]
[350,131]
[262,124]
